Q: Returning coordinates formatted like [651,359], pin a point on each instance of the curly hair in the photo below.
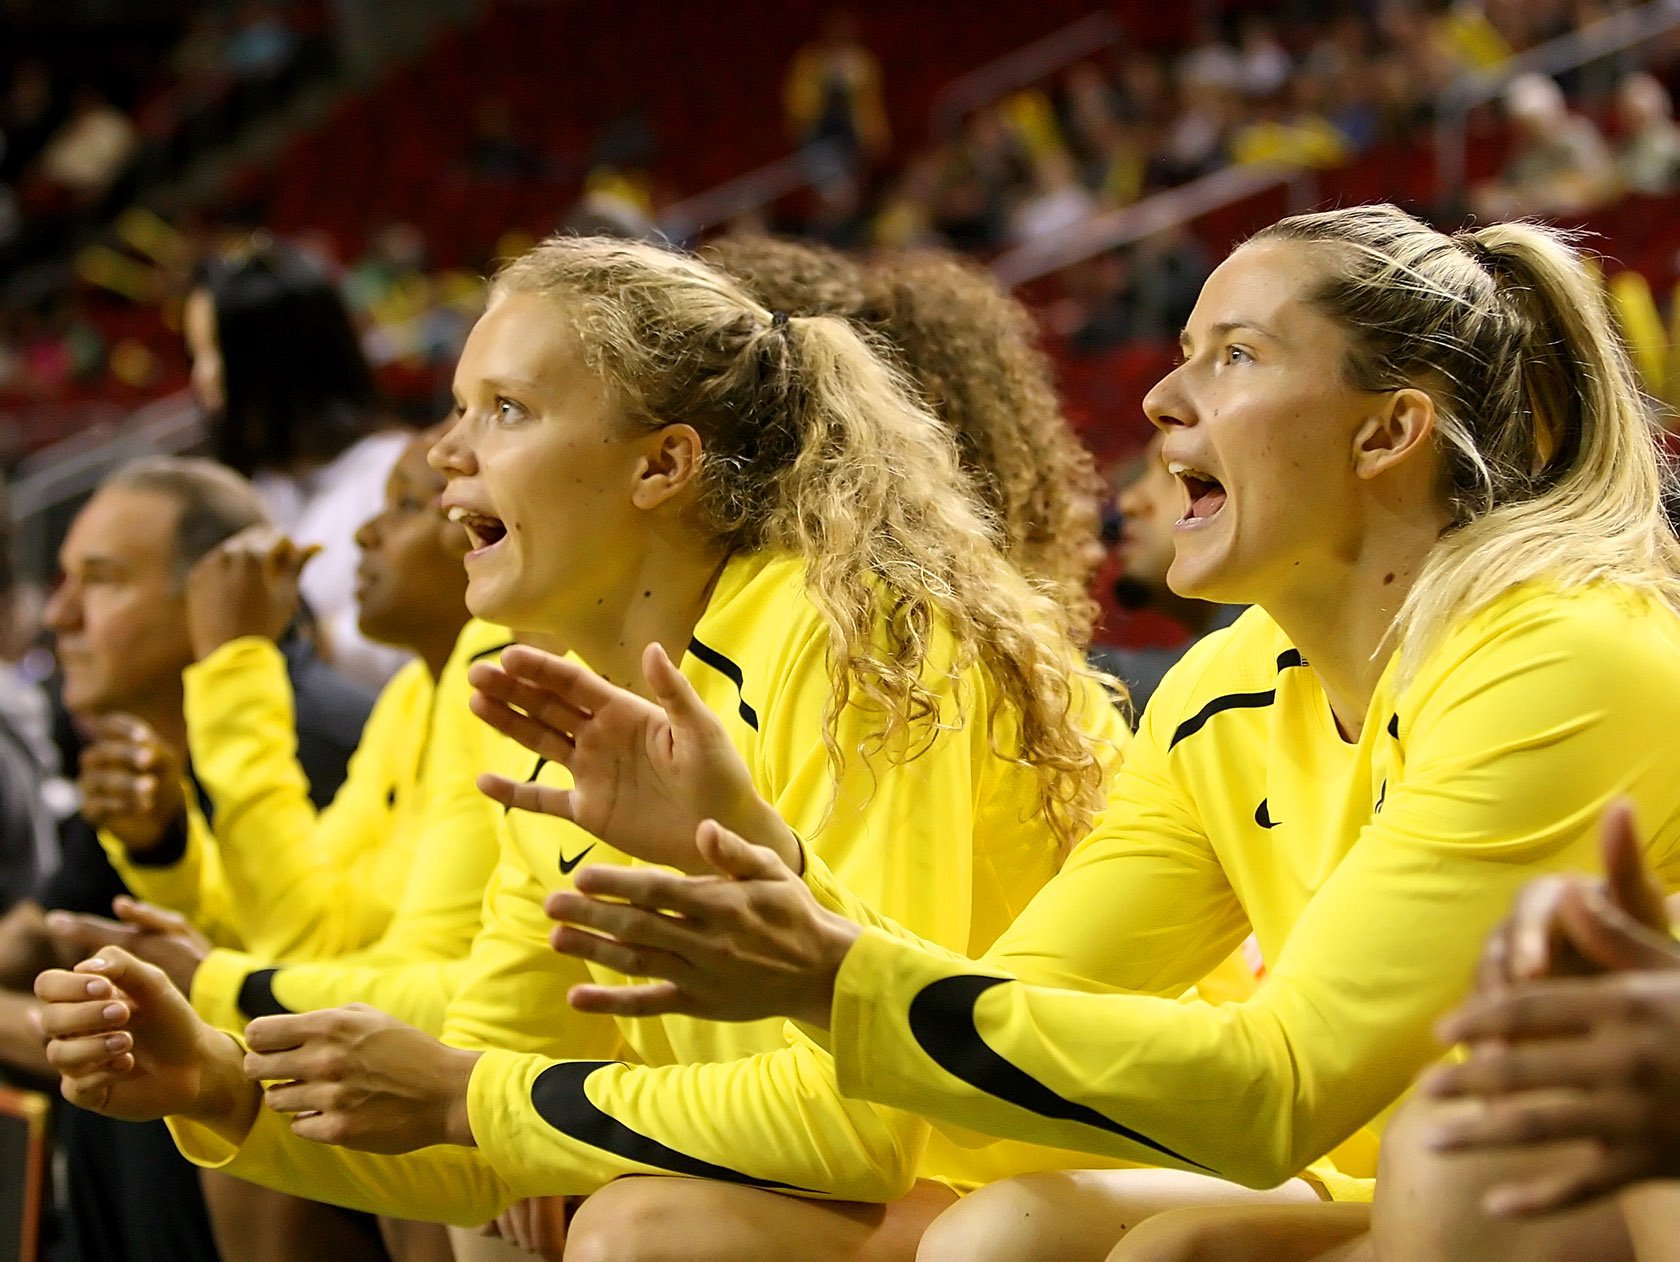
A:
[813,445]
[972,352]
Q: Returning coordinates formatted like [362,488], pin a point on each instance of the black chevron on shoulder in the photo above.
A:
[730,671]
[560,1100]
[484,653]
[942,1022]
[1235,700]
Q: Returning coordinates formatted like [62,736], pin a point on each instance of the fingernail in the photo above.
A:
[116,1043]
[98,988]
[113,1012]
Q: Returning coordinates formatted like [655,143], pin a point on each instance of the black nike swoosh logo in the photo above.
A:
[942,1021]
[566,865]
[560,1100]
[1263,816]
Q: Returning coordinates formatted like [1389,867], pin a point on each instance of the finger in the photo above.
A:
[649,888]
[142,981]
[567,681]
[609,953]
[1522,1121]
[649,999]
[671,689]
[1533,926]
[1493,966]
[1628,882]
[497,684]
[77,1020]
[1606,935]
[61,985]
[632,926]
[1607,1172]
[281,1033]
[91,1088]
[149,917]
[85,934]
[119,727]
[1564,1006]
[91,1052]
[291,1096]
[735,856]
[526,795]
[540,734]
[1497,1068]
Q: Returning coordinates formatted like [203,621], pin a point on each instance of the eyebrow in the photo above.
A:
[1228,326]
[510,383]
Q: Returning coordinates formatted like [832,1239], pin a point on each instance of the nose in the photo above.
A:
[63,612]
[367,534]
[1165,404]
[451,455]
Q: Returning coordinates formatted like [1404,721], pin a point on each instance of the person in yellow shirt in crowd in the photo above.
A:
[1425,460]
[644,453]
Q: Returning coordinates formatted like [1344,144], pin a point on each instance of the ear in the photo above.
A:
[1400,429]
[669,462]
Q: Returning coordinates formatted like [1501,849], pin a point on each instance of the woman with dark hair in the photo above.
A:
[278,367]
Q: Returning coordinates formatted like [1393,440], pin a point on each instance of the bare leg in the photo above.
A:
[689,1220]
[1077,1215]
[1652,1211]
[410,1241]
[1428,1206]
[1322,1232]
[257,1224]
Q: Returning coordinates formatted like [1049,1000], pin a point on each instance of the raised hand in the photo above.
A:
[355,1077]
[127,1044]
[130,781]
[247,585]
[162,938]
[1556,1055]
[644,775]
[749,943]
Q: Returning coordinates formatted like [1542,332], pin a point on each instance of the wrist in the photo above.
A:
[456,1121]
[834,938]
[225,1100]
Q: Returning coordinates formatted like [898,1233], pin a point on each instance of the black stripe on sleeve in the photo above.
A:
[942,1022]
[256,995]
[559,1098]
[484,653]
[730,671]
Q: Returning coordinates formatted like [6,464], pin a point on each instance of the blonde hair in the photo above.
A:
[812,446]
[1550,465]
[972,352]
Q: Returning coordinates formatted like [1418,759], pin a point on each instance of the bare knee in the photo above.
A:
[1001,1222]
[627,1221]
[1177,1235]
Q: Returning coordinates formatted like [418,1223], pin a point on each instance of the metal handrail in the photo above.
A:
[1614,34]
[809,166]
[1029,64]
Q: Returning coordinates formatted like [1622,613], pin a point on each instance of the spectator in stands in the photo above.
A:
[833,93]
[1560,164]
[1648,157]
[278,368]
[122,643]
[1265,63]
[261,44]
[1055,202]
[88,152]
[1150,502]
[28,761]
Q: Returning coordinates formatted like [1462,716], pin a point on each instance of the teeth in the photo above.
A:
[458,514]
[1181,470]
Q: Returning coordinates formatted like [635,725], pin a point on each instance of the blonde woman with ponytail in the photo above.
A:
[1424,460]
[646,458]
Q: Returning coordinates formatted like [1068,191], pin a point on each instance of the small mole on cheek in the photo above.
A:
[1387,579]
[600,600]
[645,595]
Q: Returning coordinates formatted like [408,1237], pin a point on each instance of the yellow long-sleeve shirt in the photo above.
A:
[952,841]
[1370,871]
[408,835]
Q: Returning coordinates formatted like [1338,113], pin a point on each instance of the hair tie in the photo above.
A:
[778,320]
[1477,250]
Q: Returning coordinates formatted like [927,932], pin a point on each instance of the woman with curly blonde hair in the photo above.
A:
[646,458]
[972,353]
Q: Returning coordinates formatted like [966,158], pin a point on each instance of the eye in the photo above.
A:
[510,409]
[1238,355]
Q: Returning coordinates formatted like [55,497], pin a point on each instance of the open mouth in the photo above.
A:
[1206,493]
[482,530]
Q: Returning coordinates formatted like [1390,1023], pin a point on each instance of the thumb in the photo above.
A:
[1628,883]
[147,916]
[671,688]
[1609,937]
[140,979]
[85,933]
[735,856]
